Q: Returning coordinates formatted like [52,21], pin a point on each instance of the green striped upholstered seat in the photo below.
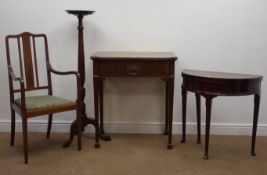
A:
[44,102]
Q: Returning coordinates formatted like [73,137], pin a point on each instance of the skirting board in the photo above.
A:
[148,128]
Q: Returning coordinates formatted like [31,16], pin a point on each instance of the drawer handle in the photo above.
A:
[133,72]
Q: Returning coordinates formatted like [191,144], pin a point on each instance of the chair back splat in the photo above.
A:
[28,61]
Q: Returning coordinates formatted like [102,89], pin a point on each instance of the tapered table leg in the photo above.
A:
[170,111]
[255,122]
[166,107]
[102,133]
[208,116]
[184,97]
[198,118]
[96,102]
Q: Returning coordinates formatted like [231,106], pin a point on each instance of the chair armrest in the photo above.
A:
[51,69]
[78,77]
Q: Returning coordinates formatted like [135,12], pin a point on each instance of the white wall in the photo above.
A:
[221,35]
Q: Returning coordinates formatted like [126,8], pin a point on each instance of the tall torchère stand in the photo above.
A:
[81,69]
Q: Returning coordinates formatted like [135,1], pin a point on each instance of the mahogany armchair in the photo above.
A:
[28,105]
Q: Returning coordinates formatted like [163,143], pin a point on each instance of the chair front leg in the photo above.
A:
[50,118]
[13,125]
[25,138]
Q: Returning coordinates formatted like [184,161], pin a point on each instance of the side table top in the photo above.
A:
[134,56]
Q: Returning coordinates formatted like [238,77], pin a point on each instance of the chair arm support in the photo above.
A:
[13,76]
[22,87]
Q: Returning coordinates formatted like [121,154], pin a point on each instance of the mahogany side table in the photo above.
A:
[132,65]
[212,84]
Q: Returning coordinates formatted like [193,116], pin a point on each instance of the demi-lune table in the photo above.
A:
[212,84]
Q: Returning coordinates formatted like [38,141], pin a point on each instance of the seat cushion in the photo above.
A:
[45,101]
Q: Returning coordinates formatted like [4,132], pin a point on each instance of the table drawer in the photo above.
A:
[133,68]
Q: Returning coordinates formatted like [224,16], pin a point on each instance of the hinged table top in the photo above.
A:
[219,75]
[134,56]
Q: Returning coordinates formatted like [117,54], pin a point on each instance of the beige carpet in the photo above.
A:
[133,155]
